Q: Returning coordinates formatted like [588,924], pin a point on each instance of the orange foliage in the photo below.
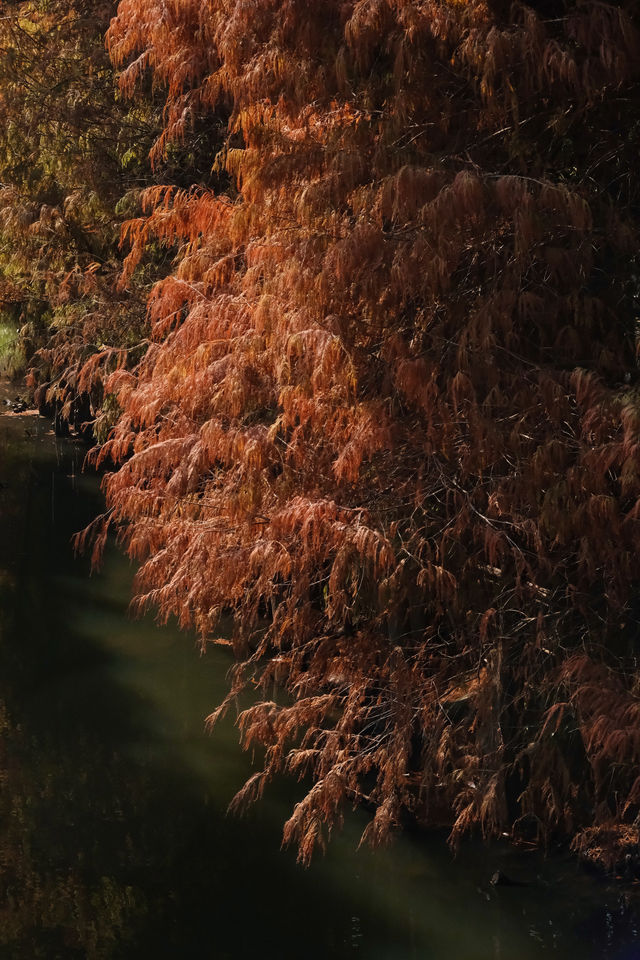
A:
[383,417]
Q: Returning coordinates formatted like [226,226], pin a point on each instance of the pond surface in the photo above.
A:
[114,838]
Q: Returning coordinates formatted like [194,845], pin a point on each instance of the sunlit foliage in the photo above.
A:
[388,415]
[385,418]
[73,160]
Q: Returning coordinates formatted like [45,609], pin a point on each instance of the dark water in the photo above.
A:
[114,840]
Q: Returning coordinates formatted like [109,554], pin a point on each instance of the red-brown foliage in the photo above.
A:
[386,417]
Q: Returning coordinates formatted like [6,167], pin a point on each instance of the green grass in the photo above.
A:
[11,354]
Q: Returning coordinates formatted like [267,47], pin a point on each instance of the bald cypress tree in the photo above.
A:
[389,416]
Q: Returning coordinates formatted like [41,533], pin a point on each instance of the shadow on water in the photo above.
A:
[113,836]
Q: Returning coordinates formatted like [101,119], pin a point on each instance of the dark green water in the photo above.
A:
[114,840]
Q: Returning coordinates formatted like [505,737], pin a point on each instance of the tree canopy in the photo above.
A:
[385,411]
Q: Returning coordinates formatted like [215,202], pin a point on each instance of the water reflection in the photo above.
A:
[113,835]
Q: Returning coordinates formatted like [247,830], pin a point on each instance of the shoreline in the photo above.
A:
[11,388]
[12,391]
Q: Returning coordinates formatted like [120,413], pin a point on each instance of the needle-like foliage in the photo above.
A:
[388,417]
